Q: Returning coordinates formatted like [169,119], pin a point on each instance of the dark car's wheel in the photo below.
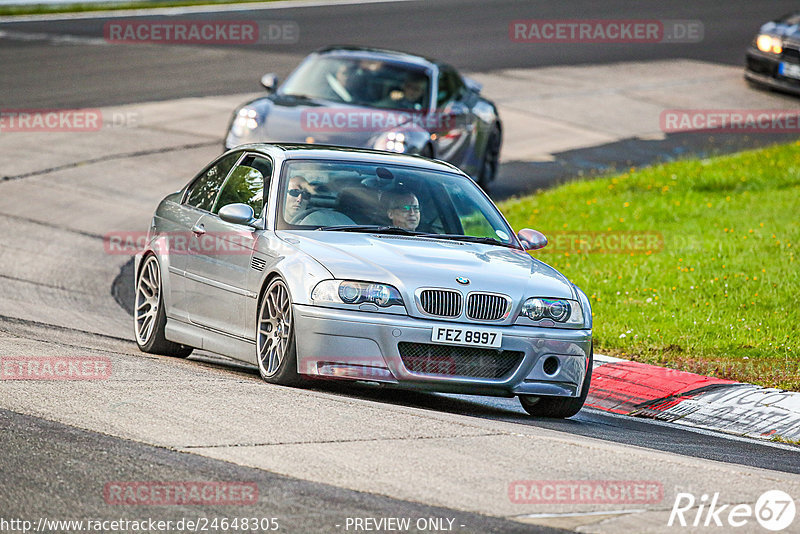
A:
[149,315]
[491,158]
[558,407]
[277,352]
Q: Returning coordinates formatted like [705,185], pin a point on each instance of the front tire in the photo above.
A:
[491,158]
[559,407]
[149,315]
[275,339]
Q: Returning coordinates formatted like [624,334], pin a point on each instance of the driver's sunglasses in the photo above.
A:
[408,208]
[298,192]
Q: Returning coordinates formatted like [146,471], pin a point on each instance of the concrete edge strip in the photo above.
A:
[110,157]
[631,388]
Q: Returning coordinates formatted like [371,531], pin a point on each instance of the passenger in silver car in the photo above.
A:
[403,208]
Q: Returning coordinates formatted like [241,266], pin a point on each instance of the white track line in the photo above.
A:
[697,430]
[578,514]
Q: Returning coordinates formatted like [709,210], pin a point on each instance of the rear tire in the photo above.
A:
[558,407]
[149,315]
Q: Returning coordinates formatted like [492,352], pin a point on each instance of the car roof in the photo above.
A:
[308,151]
[378,53]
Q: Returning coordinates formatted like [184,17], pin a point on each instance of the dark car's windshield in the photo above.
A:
[355,196]
[363,82]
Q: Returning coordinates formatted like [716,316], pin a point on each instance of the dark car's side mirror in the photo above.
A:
[532,239]
[270,81]
[473,85]
[237,214]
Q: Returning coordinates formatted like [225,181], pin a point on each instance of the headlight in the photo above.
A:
[769,43]
[560,311]
[246,120]
[391,142]
[349,292]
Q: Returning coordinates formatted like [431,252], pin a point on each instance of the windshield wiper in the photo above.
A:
[471,239]
[374,229]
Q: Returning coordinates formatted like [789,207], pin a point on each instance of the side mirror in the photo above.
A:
[270,81]
[532,239]
[473,85]
[237,214]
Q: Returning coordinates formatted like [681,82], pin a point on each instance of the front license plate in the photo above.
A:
[790,70]
[473,337]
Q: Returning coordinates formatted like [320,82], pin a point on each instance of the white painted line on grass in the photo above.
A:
[54,38]
[225,8]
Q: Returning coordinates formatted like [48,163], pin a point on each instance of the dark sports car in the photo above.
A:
[378,99]
[773,58]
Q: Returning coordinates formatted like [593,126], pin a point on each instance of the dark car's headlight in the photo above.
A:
[391,142]
[246,120]
[769,43]
[355,293]
[553,312]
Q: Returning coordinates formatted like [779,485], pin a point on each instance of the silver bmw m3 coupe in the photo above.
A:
[324,262]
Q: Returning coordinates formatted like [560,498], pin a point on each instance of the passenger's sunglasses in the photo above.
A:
[408,208]
[298,192]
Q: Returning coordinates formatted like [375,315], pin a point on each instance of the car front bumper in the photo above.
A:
[762,69]
[334,343]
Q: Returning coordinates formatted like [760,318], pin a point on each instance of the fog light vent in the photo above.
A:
[550,366]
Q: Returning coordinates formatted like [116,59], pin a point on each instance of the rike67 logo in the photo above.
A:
[774,510]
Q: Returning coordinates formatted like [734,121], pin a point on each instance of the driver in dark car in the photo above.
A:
[350,81]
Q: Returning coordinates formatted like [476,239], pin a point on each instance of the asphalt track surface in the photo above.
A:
[53,467]
[472,35]
[41,464]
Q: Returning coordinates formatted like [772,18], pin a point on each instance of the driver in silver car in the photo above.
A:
[297,210]
[297,195]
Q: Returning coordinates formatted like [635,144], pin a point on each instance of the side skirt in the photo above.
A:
[210,340]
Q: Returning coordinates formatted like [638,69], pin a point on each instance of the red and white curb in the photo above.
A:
[642,390]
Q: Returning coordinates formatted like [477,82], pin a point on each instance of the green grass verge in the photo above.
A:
[718,293]
[41,9]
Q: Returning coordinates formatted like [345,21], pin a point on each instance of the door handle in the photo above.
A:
[198,229]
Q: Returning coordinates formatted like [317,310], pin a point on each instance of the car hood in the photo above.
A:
[408,263]
[288,120]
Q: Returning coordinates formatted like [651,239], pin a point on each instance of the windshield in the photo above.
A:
[360,82]
[356,196]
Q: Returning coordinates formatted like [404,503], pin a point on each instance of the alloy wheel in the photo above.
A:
[274,328]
